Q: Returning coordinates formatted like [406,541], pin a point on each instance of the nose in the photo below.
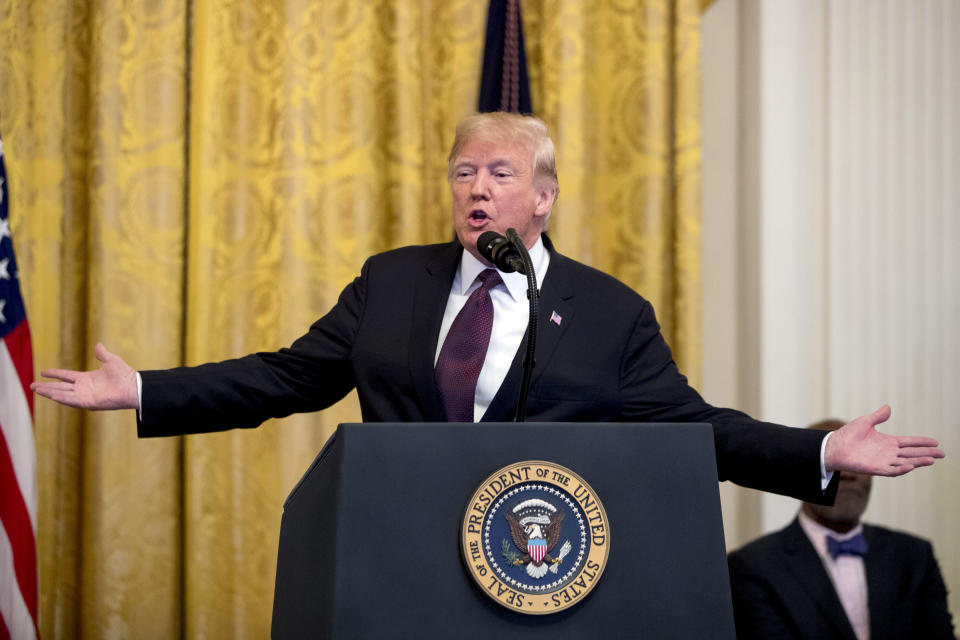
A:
[479,188]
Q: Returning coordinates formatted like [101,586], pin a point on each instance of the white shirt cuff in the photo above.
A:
[140,404]
[824,476]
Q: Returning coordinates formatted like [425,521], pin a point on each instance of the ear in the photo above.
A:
[545,198]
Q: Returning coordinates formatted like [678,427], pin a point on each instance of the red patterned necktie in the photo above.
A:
[465,349]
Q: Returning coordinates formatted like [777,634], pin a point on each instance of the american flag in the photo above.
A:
[18,473]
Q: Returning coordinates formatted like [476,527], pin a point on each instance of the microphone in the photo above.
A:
[509,254]
[500,251]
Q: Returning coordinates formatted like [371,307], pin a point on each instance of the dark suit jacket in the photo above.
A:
[782,590]
[605,361]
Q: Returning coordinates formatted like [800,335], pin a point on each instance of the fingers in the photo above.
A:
[920,452]
[51,389]
[60,374]
[907,467]
[902,467]
[43,388]
[916,441]
[900,470]
[61,392]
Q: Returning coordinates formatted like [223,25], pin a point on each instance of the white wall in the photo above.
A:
[831,234]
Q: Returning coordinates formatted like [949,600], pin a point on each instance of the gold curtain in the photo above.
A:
[194,181]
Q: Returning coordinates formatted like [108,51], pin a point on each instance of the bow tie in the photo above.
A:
[855,546]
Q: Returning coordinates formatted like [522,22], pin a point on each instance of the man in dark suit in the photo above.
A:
[828,575]
[406,334]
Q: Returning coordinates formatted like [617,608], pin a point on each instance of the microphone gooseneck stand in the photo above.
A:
[533,294]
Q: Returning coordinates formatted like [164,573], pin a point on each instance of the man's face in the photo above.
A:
[493,190]
[853,493]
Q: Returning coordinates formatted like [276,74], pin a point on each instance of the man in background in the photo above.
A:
[828,575]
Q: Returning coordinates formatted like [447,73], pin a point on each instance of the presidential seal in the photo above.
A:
[535,537]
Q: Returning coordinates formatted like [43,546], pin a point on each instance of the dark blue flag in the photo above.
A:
[504,85]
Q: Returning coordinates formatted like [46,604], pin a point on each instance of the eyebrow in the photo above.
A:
[497,162]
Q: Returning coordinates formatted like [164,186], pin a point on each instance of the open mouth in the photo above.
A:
[478,217]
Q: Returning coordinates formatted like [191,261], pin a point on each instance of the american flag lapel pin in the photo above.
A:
[555,318]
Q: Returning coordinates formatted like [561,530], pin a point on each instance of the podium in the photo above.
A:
[370,536]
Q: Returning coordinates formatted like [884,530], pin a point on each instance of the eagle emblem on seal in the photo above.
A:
[535,526]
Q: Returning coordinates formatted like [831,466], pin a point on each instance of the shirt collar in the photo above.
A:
[817,533]
[516,283]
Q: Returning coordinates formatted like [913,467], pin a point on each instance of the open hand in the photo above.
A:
[112,386]
[859,447]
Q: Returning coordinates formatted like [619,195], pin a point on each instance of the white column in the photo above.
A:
[894,205]
[847,275]
[791,215]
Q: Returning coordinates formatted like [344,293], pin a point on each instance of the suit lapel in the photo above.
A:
[554,297]
[431,292]
[802,561]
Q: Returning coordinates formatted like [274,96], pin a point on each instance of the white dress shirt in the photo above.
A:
[510,318]
[847,572]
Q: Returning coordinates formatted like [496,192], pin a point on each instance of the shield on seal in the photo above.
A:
[537,549]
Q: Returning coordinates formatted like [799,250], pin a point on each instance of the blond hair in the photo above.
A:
[507,128]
